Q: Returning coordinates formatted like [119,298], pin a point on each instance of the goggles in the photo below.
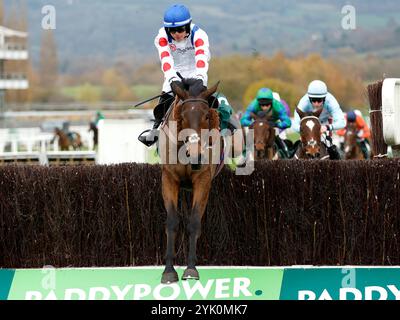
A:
[264,102]
[317,100]
[177,29]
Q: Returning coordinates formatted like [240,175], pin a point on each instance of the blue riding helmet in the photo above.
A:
[176,16]
[351,116]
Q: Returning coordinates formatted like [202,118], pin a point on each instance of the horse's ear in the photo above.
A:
[209,91]
[182,94]
[300,113]
[317,112]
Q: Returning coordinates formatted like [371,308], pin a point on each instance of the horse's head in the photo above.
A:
[193,113]
[264,133]
[57,131]
[350,139]
[310,132]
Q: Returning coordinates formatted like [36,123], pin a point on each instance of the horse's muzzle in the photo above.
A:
[194,149]
[313,155]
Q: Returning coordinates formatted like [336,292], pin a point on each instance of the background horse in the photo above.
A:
[191,110]
[264,136]
[310,146]
[352,150]
[73,139]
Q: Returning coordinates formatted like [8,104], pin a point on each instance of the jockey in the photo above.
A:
[183,49]
[266,102]
[99,117]
[363,131]
[317,96]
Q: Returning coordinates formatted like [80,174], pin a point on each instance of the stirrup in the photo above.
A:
[145,139]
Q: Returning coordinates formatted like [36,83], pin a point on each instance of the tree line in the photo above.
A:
[346,74]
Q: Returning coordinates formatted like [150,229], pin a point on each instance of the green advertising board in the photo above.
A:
[216,283]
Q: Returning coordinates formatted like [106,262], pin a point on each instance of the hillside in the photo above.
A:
[100,31]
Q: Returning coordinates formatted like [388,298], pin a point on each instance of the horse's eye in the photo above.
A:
[207,116]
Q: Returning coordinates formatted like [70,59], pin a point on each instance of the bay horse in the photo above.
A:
[264,136]
[190,111]
[352,150]
[73,139]
[310,146]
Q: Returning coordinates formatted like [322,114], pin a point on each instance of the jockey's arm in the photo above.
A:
[285,121]
[202,54]
[246,120]
[363,129]
[164,53]
[341,132]
[339,121]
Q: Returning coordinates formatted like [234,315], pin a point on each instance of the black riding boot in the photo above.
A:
[364,149]
[333,153]
[332,149]
[150,136]
[282,148]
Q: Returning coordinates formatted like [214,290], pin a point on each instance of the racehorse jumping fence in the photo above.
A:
[284,213]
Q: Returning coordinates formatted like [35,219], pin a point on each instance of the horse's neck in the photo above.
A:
[63,137]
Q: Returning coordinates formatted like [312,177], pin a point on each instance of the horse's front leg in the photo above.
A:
[170,192]
[201,190]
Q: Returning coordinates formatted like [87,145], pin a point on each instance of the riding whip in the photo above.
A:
[152,98]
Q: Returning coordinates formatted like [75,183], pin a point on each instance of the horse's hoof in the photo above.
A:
[169,277]
[190,274]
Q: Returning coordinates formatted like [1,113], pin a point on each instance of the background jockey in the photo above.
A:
[182,48]
[317,96]
[266,102]
[99,117]
[363,131]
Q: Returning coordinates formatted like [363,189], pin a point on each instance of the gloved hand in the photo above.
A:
[261,114]
[198,82]
[178,83]
[196,85]
[273,124]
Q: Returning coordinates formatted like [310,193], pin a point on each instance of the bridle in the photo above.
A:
[195,100]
